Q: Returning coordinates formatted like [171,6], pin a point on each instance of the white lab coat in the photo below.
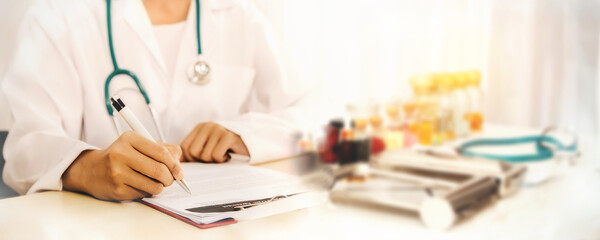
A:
[55,86]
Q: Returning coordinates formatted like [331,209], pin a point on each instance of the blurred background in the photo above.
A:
[539,59]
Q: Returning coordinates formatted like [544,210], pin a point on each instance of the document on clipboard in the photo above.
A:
[226,193]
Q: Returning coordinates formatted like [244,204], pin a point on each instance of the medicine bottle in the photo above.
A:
[425,109]
[462,107]
[444,126]
[393,133]
[475,116]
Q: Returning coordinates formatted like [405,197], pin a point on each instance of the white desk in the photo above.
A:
[568,207]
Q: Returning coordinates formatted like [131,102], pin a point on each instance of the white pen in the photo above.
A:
[137,127]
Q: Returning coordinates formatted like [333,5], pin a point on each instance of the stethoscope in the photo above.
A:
[547,147]
[198,73]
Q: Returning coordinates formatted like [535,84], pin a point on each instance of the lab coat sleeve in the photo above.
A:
[277,110]
[45,96]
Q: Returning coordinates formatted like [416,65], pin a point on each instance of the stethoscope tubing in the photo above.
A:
[543,152]
[118,71]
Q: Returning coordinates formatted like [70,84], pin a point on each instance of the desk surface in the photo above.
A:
[566,207]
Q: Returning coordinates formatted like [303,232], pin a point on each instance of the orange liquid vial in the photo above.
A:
[375,121]
[413,128]
[392,111]
[425,133]
[360,124]
[450,135]
[409,109]
[476,121]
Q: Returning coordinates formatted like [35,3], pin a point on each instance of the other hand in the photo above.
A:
[210,142]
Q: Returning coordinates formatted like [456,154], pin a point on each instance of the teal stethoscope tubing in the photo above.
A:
[119,71]
[543,152]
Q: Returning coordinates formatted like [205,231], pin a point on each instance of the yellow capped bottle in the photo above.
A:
[410,124]
[393,136]
[462,107]
[424,112]
[445,122]
[475,116]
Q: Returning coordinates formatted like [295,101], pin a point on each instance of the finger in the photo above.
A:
[125,192]
[175,151]
[213,139]
[220,151]
[187,142]
[157,152]
[153,169]
[143,183]
[201,138]
[144,194]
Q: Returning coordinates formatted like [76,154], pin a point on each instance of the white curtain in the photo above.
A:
[543,63]
[539,58]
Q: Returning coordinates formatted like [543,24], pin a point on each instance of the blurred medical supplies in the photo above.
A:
[348,145]
[543,154]
[508,175]
[444,107]
[547,146]
[444,184]
[441,189]
[428,153]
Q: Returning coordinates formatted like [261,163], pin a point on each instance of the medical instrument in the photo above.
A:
[508,175]
[137,127]
[441,190]
[546,147]
[198,73]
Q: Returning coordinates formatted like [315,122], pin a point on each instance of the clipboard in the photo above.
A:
[264,192]
[223,222]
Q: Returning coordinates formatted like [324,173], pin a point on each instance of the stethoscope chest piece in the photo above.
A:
[199,72]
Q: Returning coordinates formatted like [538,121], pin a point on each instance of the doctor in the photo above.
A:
[64,138]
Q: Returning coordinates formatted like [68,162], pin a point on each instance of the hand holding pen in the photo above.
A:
[132,167]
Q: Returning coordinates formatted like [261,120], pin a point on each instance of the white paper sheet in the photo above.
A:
[214,184]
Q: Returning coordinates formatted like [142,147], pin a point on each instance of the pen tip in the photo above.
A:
[185,186]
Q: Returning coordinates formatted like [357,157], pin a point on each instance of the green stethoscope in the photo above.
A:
[198,73]
[546,147]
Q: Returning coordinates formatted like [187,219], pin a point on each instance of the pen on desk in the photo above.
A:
[137,127]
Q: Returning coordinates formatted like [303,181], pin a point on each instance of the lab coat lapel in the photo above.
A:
[137,18]
[187,53]
[188,46]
